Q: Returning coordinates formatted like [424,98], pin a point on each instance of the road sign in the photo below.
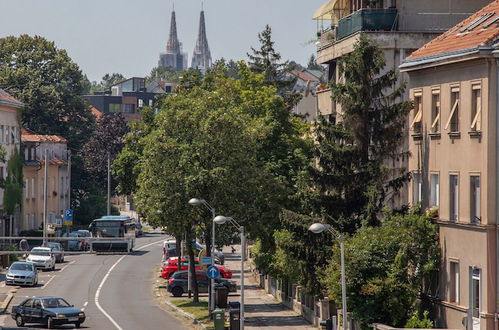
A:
[68,217]
[206,261]
[213,272]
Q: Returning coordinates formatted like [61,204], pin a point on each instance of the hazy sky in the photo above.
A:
[127,36]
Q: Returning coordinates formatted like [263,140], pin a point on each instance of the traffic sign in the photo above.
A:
[68,217]
[213,272]
[206,261]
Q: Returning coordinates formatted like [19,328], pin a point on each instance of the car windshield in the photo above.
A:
[21,266]
[54,246]
[55,303]
[106,229]
[40,252]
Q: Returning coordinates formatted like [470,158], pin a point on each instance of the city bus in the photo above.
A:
[113,234]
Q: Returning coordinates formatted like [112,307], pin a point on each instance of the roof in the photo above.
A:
[29,136]
[6,98]
[304,76]
[96,112]
[478,31]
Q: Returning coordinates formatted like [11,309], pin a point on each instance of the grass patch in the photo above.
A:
[198,310]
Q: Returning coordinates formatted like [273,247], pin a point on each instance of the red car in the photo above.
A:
[171,266]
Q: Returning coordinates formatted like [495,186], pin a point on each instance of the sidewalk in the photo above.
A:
[262,311]
[6,292]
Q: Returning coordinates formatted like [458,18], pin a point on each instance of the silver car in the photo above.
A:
[22,273]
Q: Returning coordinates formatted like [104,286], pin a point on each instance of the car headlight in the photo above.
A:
[81,314]
[60,316]
[10,276]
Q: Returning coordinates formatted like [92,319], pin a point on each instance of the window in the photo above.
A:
[475,291]
[128,108]
[1,133]
[475,199]
[434,190]
[453,197]
[33,188]
[26,221]
[141,103]
[114,107]
[26,188]
[416,124]
[416,188]
[33,221]
[150,103]
[435,111]
[453,121]
[1,172]
[476,108]
[454,282]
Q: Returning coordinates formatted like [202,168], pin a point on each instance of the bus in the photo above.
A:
[119,229]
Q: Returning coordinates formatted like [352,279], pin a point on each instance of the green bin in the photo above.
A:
[219,319]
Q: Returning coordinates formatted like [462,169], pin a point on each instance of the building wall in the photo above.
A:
[464,242]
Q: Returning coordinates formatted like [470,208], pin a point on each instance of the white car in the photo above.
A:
[42,257]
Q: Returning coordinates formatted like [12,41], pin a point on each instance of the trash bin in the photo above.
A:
[235,316]
[221,296]
[219,319]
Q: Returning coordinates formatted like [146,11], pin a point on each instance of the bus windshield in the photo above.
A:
[106,229]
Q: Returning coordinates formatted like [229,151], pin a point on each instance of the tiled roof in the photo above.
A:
[28,136]
[478,30]
[304,76]
[9,99]
[96,112]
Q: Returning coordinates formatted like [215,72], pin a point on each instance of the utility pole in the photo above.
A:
[45,200]
[108,183]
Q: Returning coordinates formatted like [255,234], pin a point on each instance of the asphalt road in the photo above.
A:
[115,291]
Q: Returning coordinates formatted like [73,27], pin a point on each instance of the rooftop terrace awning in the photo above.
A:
[332,10]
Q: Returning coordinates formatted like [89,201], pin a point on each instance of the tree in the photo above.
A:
[49,84]
[386,267]
[352,177]
[313,65]
[109,80]
[164,73]
[13,184]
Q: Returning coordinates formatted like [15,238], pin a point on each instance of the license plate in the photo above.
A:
[72,319]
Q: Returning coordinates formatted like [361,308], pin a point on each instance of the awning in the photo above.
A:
[333,10]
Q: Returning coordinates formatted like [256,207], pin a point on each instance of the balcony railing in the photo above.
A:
[367,20]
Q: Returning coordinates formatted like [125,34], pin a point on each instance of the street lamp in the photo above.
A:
[318,228]
[220,220]
[198,202]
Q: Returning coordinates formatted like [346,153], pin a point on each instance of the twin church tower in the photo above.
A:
[174,56]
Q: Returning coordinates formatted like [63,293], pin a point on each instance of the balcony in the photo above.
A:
[325,102]
[367,20]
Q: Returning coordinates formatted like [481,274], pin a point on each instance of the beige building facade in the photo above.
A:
[454,141]
[58,180]
[10,142]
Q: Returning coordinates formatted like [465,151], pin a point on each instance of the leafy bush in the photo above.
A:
[415,322]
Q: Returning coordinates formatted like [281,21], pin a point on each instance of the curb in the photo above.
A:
[5,304]
[189,316]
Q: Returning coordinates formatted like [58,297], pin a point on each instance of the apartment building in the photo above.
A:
[10,142]
[455,160]
[58,179]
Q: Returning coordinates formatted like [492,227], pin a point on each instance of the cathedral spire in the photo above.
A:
[173,46]
[201,58]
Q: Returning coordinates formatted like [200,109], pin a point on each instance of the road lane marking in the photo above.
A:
[47,283]
[62,269]
[97,293]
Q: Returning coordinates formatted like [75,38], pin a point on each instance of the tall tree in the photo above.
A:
[313,65]
[356,149]
[49,84]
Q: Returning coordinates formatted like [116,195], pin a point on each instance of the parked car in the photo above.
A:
[85,244]
[50,311]
[73,245]
[172,244]
[219,256]
[177,284]
[58,251]
[138,229]
[171,266]
[22,273]
[42,257]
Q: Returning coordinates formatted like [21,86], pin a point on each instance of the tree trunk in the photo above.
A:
[194,283]
[208,240]
[178,249]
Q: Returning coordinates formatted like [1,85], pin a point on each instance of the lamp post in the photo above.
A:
[220,219]
[198,202]
[318,228]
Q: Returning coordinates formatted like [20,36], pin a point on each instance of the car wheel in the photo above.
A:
[19,321]
[77,324]
[177,291]
[50,323]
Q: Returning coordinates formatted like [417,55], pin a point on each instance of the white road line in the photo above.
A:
[62,269]
[47,283]
[97,293]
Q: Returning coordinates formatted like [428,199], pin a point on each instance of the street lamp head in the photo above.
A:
[317,228]
[220,219]
[196,201]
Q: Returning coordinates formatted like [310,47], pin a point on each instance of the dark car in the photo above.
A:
[50,311]
[177,284]
[58,251]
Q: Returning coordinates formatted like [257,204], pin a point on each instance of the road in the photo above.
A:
[115,291]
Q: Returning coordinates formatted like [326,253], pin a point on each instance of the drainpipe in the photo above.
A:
[495,68]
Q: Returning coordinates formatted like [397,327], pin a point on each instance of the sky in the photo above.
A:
[126,36]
